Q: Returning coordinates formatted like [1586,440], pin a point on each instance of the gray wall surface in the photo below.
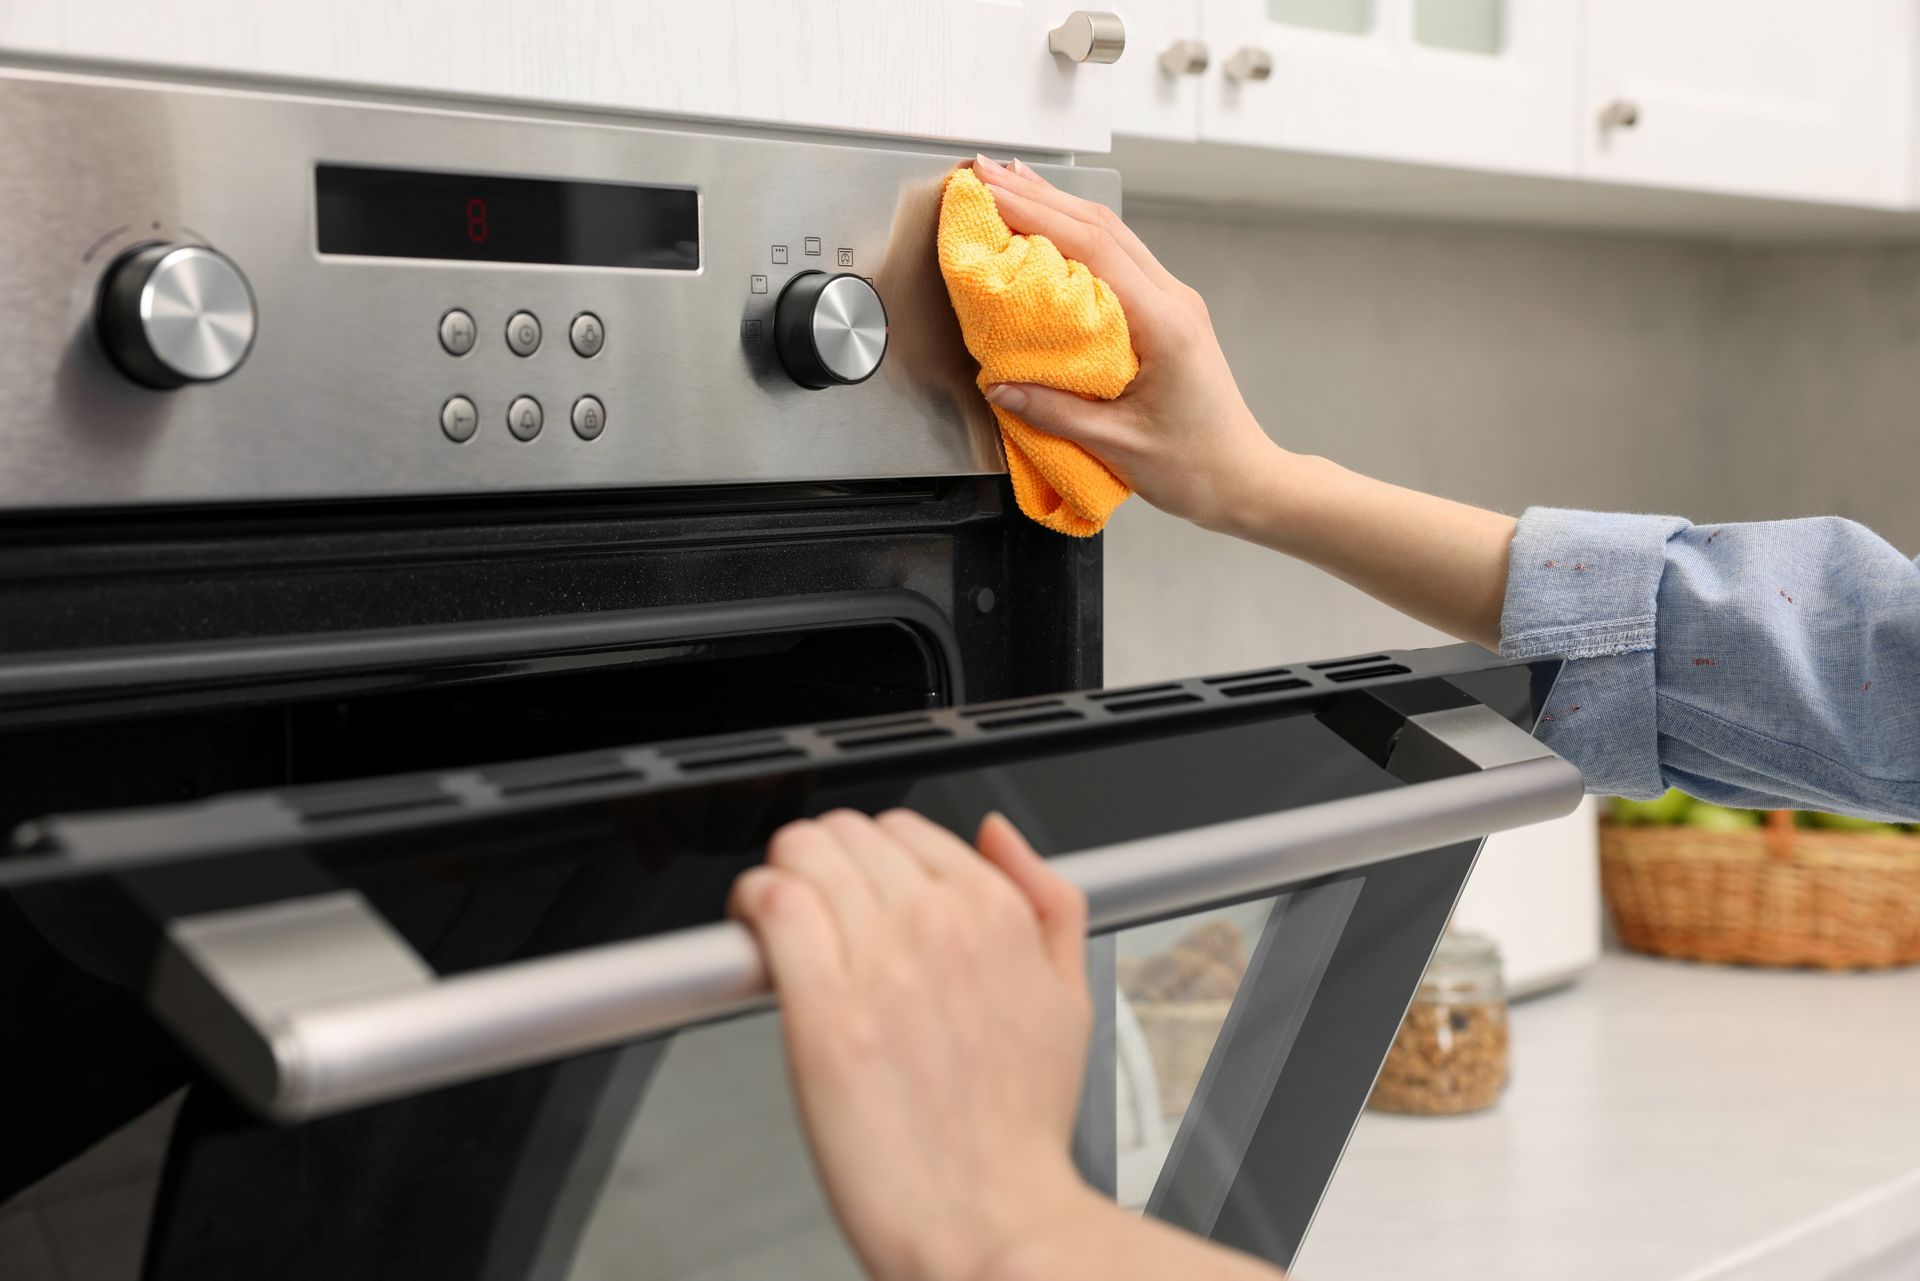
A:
[1511,368]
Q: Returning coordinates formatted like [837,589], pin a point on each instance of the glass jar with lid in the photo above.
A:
[1451,1052]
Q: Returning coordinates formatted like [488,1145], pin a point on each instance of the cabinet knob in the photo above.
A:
[1184,58]
[1087,36]
[1620,114]
[1248,64]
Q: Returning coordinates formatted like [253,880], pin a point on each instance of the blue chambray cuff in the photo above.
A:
[1584,586]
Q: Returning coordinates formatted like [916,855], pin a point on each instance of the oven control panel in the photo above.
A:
[237,295]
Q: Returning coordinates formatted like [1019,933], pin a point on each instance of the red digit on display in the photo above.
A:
[477,220]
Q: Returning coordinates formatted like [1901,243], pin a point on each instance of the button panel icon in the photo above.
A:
[457,332]
[589,417]
[525,418]
[459,419]
[523,333]
[587,334]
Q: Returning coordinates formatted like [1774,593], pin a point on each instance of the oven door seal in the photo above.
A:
[37,688]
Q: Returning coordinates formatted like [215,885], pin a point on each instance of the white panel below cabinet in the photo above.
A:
[973,70]
[1234,182]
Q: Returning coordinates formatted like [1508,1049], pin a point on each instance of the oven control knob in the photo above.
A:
[830,329]
[170,315]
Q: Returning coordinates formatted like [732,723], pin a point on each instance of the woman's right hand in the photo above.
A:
[1180,434]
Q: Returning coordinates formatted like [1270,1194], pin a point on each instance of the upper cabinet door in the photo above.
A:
[1475,83]
[972,71]
[1755,97]
[1157,86]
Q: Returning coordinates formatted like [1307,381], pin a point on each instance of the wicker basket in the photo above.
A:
[1779,895]
[1180,1036]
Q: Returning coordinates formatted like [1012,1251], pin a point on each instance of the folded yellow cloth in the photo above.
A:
[1031,316]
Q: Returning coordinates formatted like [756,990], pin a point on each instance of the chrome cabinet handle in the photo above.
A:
[310,1006]
[1620,113]
[1089,36]
[1248,64]
[1184,58]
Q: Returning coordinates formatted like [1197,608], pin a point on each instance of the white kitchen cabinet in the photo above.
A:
[1753,97]
[1157,85]
[971,70]
[1483,84]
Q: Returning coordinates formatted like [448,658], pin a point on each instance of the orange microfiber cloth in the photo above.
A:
[1031,316]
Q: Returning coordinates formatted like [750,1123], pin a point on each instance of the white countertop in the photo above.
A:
[1666,1122]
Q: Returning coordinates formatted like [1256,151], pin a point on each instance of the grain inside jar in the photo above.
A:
[1451,1052]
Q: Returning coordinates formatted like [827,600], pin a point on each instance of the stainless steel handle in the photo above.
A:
[311,1006]
[1184,58]
[1247,64]
[1089,36]
[1619,114]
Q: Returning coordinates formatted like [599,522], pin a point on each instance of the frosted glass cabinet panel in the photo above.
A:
[1483,84]
[1351,16]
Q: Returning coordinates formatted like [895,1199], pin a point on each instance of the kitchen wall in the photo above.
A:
[1509,368]
[1515,367]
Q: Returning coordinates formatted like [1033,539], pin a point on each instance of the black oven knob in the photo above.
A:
[830,329]
[170,315]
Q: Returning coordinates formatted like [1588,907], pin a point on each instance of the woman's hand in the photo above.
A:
[1180,434]
[1182,437]
[936,1018]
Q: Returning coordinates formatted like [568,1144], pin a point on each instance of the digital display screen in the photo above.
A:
[398,213]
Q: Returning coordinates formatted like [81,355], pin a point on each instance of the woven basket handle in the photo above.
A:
[1781,834]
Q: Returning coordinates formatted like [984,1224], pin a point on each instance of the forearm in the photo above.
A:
[1101,1240]
[1443,562]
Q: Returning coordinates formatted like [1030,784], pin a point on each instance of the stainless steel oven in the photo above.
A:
[440,543]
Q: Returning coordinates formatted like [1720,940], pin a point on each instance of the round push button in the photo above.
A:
[589,417]
[523,333]
[524,418]
[588,334]
[457,332]
[459,419]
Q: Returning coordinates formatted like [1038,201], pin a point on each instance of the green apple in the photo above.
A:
[1671,808]
[1718,818]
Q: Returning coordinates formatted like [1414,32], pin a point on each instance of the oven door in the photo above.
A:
[487,1020]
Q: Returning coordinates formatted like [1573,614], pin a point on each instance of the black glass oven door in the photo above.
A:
[453,1008]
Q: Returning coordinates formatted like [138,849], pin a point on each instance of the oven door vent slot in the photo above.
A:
[1038,717]
[1367,673]
[1264,687]
[555,775]
[776,750]
[1174,698]
[1107,695]
[1237,677]
[331,804]
[698,746]
[1347,662]
[888,738]
[865,727]
[997,710]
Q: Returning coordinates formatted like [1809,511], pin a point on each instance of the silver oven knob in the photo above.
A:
[170,315]
[830,329]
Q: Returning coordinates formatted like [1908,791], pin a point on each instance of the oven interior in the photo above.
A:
[173,745]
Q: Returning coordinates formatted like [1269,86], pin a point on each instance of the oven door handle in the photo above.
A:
[309,1006]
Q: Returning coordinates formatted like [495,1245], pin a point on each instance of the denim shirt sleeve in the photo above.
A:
[1774,664]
